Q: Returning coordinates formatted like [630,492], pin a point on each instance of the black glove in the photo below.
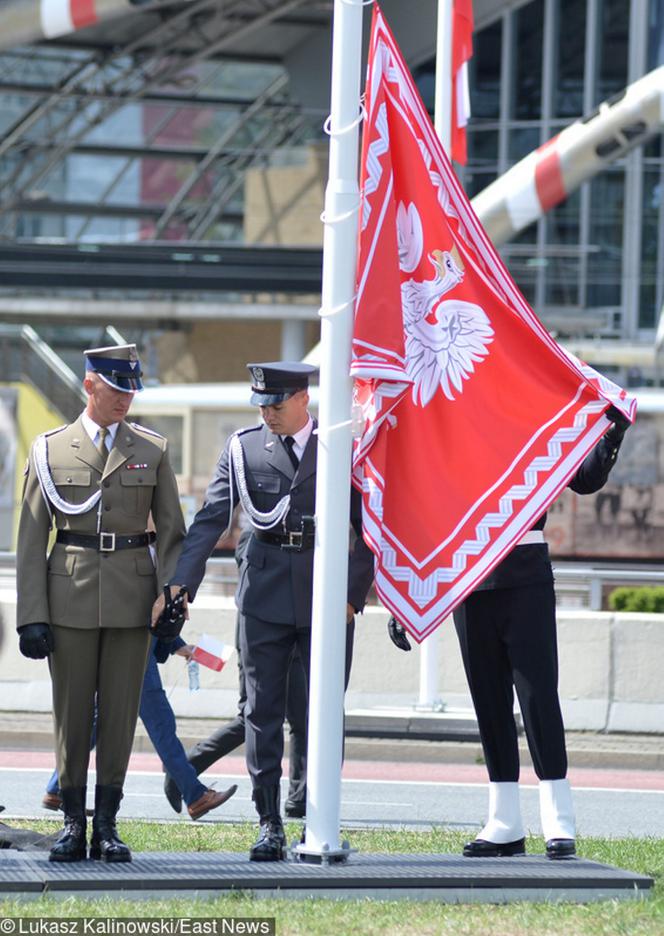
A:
[398,634]
[35,641]
[171,620]
[620,425]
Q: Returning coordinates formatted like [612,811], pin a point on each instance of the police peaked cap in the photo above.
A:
[276,381]
[118,366]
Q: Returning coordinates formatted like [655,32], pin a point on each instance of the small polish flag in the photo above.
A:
[212,653]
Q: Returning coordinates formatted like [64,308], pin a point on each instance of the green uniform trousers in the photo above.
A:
[106,664]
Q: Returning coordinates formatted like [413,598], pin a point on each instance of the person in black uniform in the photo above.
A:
[507,634]
[271,471]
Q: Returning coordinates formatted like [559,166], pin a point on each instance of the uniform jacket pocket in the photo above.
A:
[264,481]
[144,565]
[137,489]
[60,582]
[61,563]
[73,484]
[254,554]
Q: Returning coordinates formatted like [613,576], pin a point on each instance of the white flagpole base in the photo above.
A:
[324,855]
[429,698]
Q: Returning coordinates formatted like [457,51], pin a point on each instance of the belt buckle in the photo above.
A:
[294,543]
[107,542]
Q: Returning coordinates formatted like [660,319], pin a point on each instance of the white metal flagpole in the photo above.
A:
[429,694]
[328,638]
[443,94]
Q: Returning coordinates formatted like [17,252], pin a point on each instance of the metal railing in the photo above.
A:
[587,586]
[24,356]
[576,586]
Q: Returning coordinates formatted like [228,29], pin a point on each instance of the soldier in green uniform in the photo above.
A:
[86,604]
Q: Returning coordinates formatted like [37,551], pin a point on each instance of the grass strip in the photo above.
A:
[366,917]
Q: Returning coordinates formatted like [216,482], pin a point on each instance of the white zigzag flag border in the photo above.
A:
[422,591]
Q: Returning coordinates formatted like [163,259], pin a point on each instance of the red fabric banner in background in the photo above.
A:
[462,50]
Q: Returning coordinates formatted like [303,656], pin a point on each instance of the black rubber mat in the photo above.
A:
[30,872]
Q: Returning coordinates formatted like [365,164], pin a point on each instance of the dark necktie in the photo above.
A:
[289,442]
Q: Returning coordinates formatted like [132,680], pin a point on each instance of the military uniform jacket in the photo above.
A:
[274,585]
[79,586]
[530,565]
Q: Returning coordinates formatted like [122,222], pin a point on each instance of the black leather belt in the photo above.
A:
[294,540]
[105,542]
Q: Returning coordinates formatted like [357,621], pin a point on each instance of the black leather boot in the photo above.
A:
[271,842]
[105,844]
[71,844]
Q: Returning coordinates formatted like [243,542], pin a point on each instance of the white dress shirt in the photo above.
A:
[92,430]
[301,437]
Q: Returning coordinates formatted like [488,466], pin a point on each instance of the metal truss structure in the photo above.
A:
[90,124]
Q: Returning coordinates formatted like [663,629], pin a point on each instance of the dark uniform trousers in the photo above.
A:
[507,634]
[274,593]
[508,639]
[232,734]
[267,648]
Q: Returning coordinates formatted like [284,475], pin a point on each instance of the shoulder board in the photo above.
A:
[50,432]
[247,429]
[147,431]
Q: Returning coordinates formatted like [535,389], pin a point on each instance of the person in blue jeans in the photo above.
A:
[159,721]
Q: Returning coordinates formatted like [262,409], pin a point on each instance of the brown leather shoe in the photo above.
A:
[52,801]
[210,800]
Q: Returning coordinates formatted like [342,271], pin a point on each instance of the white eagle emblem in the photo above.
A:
[445,338]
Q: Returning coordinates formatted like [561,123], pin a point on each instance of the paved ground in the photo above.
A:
[32,731]
[618,780]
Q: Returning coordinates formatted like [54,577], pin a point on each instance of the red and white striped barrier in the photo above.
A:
[25,21]
[549,174]
[59,17]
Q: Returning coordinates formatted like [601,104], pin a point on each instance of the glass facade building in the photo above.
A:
[592,266]
[110,148]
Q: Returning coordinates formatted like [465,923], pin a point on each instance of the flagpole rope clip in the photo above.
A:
[351,126]
[333,428]
[336,310]
[340,217]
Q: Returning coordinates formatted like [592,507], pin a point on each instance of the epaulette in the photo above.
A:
[50,432]
[246,429]
[147,431]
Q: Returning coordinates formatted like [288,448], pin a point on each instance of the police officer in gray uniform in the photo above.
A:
[271,471]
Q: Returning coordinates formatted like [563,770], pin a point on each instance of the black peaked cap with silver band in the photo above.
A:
[276,381]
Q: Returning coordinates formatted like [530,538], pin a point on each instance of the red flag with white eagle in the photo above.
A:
[475,419]
[462,50]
